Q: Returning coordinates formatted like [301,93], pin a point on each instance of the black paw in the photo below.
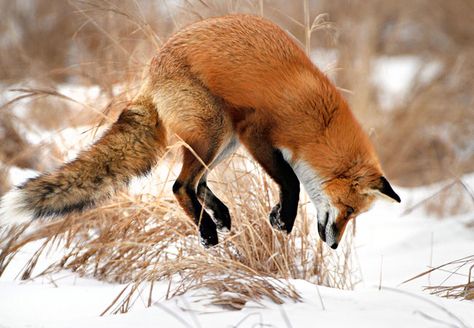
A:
[208,233]
[275,219]
[222,217]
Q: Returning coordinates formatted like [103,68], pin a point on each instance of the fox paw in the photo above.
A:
[209,241]
[222,219]
[208,234]
[275,219]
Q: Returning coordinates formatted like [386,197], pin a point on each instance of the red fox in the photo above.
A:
[217,84]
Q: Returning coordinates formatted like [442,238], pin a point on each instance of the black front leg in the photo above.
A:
[283,214]
[271,159]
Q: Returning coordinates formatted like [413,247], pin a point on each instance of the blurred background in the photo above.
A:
[406,68]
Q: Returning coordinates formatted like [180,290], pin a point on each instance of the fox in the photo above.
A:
[218,84]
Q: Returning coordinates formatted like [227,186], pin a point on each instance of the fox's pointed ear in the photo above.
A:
[386,189]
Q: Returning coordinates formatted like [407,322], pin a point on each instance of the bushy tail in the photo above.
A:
[129,148]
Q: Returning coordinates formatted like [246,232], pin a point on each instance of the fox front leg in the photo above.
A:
[283,214]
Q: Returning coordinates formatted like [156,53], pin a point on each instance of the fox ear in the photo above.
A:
[383,187]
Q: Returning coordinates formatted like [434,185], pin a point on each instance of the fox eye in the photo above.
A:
[349,211]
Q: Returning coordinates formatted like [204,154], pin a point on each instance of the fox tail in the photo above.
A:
[131,147]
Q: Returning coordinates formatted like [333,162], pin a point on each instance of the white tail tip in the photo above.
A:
[13,208]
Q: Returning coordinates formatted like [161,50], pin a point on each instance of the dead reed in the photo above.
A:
[462,290]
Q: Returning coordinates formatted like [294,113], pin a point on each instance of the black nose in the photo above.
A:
[334,246]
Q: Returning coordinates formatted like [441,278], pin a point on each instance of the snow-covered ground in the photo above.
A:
[73,302]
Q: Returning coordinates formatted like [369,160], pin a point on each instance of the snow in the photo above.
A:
[77,302]
[393,77]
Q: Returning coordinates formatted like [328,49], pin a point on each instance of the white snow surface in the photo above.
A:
[393,77]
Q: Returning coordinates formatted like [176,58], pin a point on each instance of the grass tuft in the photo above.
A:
[462,290]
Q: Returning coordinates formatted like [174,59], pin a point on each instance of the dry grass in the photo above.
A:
[454,198]
[141,240]
[463,290]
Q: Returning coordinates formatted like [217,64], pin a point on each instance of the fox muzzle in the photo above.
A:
[327,229]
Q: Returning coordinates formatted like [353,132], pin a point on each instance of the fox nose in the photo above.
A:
[332,235]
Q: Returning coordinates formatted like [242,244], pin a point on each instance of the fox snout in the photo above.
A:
[327,229]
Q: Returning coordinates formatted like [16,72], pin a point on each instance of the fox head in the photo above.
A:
[341,181]
[341,197]
[346,198]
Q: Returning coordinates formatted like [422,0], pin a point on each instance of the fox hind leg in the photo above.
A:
[184,190]
[200,119]
[219,210]
[206,130]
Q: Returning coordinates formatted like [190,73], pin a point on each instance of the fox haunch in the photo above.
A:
[218,84]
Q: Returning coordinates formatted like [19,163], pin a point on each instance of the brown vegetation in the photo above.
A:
[462,290]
